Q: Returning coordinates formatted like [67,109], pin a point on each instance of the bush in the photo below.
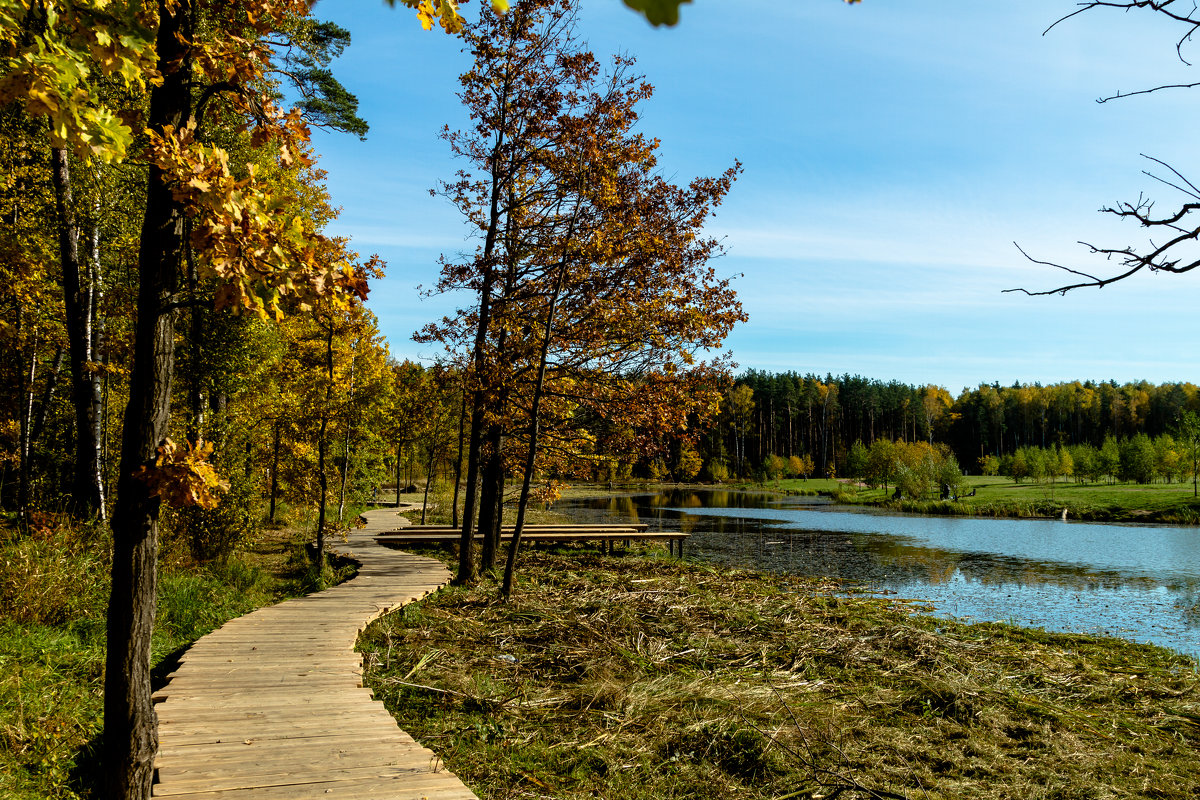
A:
[213,534]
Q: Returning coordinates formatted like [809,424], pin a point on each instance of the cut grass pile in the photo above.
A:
[644,678]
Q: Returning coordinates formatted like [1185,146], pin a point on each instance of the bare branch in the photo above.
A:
[1120,95]
[1195,192]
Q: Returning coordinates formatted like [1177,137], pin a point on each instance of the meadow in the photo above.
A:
[1002,497]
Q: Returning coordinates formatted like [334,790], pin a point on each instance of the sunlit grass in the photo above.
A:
[646,678]
[53,595]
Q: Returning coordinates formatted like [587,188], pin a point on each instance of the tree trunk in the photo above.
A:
[39,420]
[346,449]
[488,517]
[428,481]
[322,491]
[322,446]
[462,422]
[274,473]
[130,724]
[195,423]
[510,564]
[87,488]
[27,373]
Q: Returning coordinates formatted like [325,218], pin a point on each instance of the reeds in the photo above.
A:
[646,678]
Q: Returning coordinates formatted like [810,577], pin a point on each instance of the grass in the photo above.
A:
[1002,497]
[641,677]
[53,595]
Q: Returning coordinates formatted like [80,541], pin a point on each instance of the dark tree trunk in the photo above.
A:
[39,420]
[462,422]
[490,497]
[466,545]
[322,446]
[130,724]
[27,372]
[274,472]
[195,378]
[346,448]
[87,488]
[322,490]
[510,565]
[428,481]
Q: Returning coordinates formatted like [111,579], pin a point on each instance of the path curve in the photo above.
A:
[271,705]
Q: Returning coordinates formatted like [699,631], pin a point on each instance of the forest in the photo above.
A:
[821,418]
[189,359]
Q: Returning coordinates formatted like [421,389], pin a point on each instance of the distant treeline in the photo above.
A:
[789,414]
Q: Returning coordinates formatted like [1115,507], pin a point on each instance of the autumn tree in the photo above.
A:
[592,292]
[238,230]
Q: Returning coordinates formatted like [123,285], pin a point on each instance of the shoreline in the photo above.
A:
[1182,512]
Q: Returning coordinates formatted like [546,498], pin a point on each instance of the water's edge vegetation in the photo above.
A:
[994,496]
[642,677]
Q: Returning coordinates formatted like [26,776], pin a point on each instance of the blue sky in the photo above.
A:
[893,152]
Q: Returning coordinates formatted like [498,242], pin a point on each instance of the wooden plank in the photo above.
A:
[264,704]
[217,731]
[290,777]
[305,751]
[432,786]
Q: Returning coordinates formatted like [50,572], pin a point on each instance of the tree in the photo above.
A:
[1138,459]
[857,460]
[239,230]
[739,406]
[592,296]
[1187,430]
[1173,234]
[1108,459]
[1066,462]
[881,463]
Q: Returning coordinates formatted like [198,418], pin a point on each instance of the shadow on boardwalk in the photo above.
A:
[272,706]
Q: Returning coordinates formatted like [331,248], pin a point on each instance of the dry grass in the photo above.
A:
[645,678]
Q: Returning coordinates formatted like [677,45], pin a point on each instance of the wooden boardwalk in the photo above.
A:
[600,533]
[271,706]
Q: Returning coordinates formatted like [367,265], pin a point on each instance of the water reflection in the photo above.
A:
[1139,582]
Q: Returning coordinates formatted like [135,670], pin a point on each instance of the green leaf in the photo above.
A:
[658,12]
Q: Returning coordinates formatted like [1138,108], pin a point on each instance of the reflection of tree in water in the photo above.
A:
[621,509]
[877,559]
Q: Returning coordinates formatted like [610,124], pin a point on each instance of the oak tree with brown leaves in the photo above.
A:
[593,292]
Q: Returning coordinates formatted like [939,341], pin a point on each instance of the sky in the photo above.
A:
[893,151]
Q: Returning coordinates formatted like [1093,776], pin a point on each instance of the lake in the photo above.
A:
[1138,582]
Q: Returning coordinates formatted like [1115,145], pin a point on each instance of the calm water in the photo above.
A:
[1137,582]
